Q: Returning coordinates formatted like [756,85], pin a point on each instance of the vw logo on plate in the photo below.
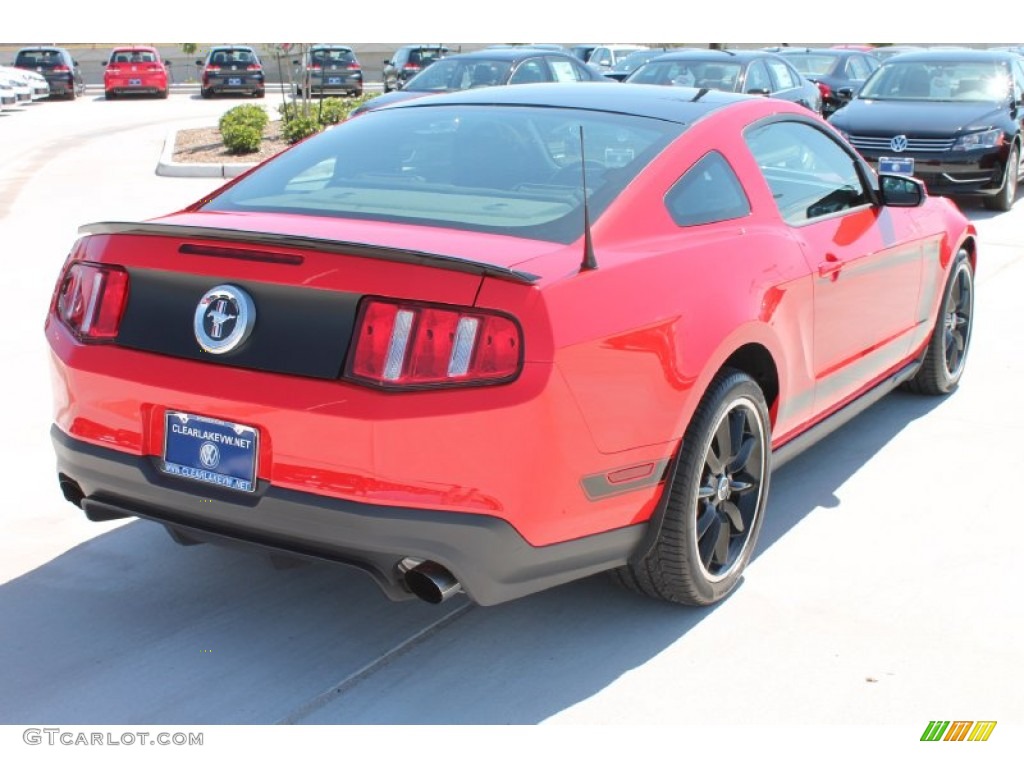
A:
[224,319]
[209,455]
[898,143]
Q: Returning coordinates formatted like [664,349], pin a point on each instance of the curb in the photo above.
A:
[168,167]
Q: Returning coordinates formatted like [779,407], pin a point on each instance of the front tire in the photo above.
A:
[717,499]
[946,354]
[1003,201]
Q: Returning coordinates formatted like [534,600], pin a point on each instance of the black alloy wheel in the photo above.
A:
[717,499]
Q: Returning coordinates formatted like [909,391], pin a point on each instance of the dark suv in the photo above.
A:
[57,66]
[329,70]
[232,69]
[409,61]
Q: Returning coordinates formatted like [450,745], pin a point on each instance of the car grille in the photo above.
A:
[882,144]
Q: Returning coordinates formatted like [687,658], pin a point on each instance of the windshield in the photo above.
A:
[939,81]
[506,170]
[460,74]
[812,64]
[714,75]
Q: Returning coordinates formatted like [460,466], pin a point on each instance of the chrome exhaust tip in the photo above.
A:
[431,582]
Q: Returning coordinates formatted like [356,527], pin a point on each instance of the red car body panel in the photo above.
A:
[615,359]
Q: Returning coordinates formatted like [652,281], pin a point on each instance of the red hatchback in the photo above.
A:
[497,340]
[135,70]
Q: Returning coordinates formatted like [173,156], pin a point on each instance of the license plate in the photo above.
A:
[135,81]
[334,81]
[234,81]
[210,451]
[901,166]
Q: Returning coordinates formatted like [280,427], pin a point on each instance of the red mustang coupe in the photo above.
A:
[135,70]
[501,339]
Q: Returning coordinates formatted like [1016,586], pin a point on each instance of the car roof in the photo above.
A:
[232,48]
[507,54]
[331,46]
[955,54]
[678,105]
[723,56]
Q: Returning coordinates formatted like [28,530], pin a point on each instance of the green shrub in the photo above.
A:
[241,139]
[245,114]
[299,127]
[332,111]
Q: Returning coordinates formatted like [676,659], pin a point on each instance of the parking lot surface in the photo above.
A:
[884,593]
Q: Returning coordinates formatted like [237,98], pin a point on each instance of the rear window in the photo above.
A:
[127,57]
[505,170]
[331,56]
[424,56]
[812,63]
[39,58]
[233,56]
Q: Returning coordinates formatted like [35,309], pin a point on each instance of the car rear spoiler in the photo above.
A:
[367,250]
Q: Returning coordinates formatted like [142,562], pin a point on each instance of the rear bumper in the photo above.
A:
[488,557]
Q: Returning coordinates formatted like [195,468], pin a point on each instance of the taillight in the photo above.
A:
[61,68]
[211,68]
[401,345]
[411,67]
[826,92]
[353,65]
[313,68]
[253,68]
[91,300]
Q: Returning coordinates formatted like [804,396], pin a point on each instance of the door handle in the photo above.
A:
[830,267]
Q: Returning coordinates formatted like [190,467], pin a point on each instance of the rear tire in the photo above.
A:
[164,93]
[109,95]
[717,499]
[1003,201]
[206,93]
[946,354]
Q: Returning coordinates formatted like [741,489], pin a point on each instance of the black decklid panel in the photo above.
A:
[300,331]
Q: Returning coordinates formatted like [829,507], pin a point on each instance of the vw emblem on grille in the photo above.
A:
[209,455]
[898,143]
[224,319]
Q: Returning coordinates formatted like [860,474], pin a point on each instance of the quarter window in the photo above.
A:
[707,193]
[809,173]
[757,78]
[785,78]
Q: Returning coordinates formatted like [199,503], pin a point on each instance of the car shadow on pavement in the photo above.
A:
[129,628]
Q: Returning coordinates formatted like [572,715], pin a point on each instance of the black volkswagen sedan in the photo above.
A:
[756,72]
[952,118]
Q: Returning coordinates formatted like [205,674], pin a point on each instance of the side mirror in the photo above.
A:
[760,91]
[901,191]
[388,61]
[295,62]
[199,62]
[104,63]
[844,93]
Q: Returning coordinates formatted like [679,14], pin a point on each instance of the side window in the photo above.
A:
[809,174]
[783,76]
[530,71]
[857,68]
[707,193]
[757,78]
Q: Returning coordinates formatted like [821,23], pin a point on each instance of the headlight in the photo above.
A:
[981,140]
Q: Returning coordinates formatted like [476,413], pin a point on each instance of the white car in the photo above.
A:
[7,96]
[35,84]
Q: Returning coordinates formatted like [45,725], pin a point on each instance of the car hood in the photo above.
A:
[939,118]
